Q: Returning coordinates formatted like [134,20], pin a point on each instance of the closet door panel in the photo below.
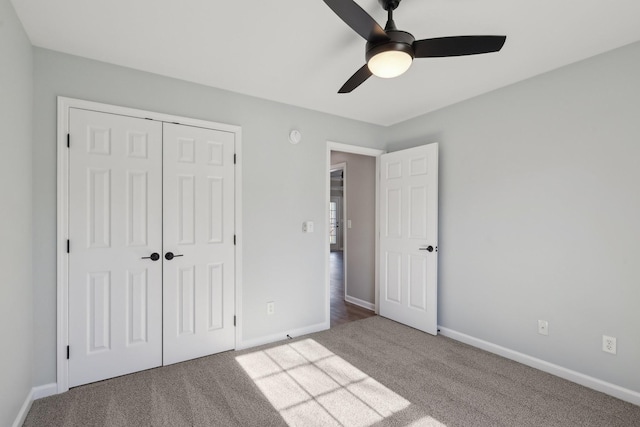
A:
[199,279]
[115,219]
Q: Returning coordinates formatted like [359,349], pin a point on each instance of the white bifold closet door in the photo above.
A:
[132,306]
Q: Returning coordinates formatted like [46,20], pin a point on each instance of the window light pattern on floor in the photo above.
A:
[309,385]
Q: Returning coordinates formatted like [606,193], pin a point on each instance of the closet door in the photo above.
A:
[115,224]
[198,199]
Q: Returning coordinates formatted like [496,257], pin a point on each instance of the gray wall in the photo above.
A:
[16,303]
[283,185]
[540,214]
[361,210]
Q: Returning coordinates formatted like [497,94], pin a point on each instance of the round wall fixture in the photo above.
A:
[295,136]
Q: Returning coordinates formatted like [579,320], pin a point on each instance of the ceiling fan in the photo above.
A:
[390,52]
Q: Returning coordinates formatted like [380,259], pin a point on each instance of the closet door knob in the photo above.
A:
[169,256]
[428,249]
[153,257]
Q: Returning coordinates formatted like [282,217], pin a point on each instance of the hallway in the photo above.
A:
[342,311]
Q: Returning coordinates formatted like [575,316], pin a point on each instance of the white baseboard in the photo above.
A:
[24,410]
[359,302]
[34,393]
[559,371]
[282,336]
[44,391]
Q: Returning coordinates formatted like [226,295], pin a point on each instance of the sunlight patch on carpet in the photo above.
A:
[310,385]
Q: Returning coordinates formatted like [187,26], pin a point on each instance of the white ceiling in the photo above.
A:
[299,52]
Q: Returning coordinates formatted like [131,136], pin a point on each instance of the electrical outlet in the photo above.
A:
[609,344]
[543,327]
[271,308]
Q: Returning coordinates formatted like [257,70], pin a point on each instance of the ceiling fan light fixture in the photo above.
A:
[390,52]
[390,63]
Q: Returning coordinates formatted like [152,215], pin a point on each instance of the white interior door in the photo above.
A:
[115,220]
[198,230]
[409,237]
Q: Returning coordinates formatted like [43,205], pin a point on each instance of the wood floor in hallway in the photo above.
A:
[342,311]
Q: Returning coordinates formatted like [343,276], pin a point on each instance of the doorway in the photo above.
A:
[405,235]
[352,240]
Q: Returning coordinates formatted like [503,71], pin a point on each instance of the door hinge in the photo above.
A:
[68,352]
[234,240]
[234,320]
[68,246]
[234,158]
[68,140]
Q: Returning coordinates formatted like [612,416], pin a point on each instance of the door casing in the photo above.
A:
[62,279]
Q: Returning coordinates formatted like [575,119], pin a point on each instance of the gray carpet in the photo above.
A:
[369,372]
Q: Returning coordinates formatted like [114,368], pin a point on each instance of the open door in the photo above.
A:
[409,237]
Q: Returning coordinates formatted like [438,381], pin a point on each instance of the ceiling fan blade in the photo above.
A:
[457,46]
[359,20]
[356,80]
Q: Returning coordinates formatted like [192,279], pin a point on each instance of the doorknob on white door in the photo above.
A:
[428,249]
[153,257]
[169,256]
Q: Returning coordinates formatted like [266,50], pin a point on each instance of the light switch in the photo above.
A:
[348,223]
[307,227]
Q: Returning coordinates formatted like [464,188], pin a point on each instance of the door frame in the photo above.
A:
[365,151]
[62,197]
[343,218]
[343,201]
